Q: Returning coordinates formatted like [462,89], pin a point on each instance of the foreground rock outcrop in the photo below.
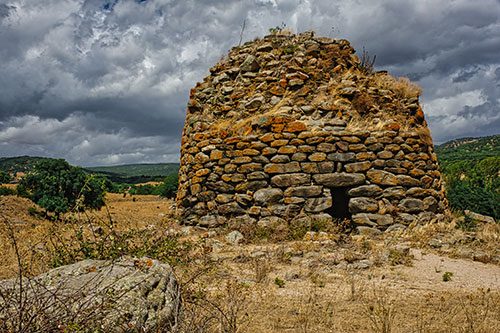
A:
[128,295]
[294,125]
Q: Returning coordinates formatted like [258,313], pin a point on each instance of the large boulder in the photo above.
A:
[126,295]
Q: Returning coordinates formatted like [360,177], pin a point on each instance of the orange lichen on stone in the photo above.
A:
[293,127]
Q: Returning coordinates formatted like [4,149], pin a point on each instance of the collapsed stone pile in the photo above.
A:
[293,126]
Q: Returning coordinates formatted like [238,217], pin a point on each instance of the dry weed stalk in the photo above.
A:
[314,312]
[29,305]
[223,310]
[380,310]
[476,311]
[367,62]
[262,268]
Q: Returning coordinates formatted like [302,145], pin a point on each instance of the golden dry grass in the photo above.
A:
[402,86]
[237,124]
[302,286]
[35,232]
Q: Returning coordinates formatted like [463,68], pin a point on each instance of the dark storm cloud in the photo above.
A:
[106,81]
[465,74]
[4,10]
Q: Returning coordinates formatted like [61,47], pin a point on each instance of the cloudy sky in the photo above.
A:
[103,82]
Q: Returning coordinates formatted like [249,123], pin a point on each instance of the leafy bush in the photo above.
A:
[4,177]
[146,189]
[58,187]
[168,188]
[6,191]
[468,195]
[471,167]
[94,239]
[466,224]
[279,282]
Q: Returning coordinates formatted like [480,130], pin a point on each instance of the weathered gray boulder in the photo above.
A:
[250,64]
[479,217]
[293,179]
[234,237]
[126,295]
[394,192]
[210,221]
[381,177]
[342,157]
[358,166]
[303,191]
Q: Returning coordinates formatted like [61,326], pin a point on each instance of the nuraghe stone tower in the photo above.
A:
[293,126]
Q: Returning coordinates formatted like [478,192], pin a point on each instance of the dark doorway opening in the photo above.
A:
[340,207]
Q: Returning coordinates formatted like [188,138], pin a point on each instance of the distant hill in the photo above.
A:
[129,173]
[471,168]
[133,170]
[19,163]
[469,148]
[136,173]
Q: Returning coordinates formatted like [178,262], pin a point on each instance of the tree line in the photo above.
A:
[58,187]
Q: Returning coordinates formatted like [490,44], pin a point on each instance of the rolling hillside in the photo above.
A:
[130,173]
[471,167]
[136,173]
[19,163]
[469,148]
[135,170]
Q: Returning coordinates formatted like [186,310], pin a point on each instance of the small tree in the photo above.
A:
[169,186]
[4,177]
[58,187]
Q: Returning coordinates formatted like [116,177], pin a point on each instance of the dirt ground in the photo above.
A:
[432,278]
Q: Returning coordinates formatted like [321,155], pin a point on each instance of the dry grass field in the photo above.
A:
[433,278]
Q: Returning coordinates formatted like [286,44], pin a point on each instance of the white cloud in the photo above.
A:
[74,74]
[451,105]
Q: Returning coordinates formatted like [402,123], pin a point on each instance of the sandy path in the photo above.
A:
[428,269]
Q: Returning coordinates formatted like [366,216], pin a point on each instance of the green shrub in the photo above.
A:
[279,282]
[59,187]
[102,241]
[146,189]
[168,188]
[7,191]
[4,177]
[466,224]
[471,167]
[447,276]
[463,195]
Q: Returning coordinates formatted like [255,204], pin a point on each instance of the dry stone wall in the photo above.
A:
[293,126]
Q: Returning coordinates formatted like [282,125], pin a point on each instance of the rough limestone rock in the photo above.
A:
[300,126]
[127,295]
[479,217]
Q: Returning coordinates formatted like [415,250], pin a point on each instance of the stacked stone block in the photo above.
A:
[282,134]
